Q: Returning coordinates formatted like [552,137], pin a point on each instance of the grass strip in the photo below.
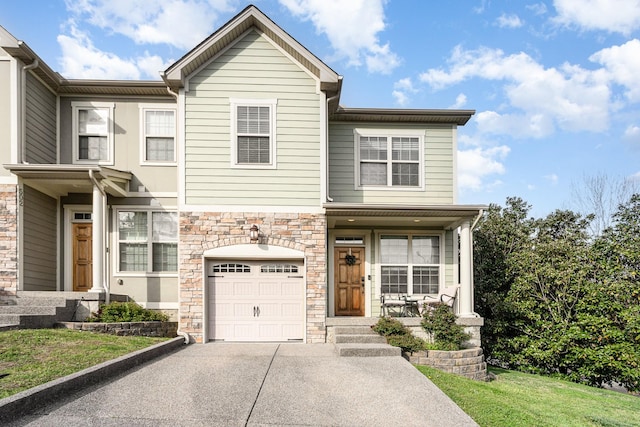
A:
[30,357]
[518,399]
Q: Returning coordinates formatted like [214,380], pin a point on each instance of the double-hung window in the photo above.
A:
[410,264]
[253,143]
[158,131]
[92,132]
[388,160]
[147,241]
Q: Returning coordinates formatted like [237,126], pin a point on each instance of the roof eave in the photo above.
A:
[457,117]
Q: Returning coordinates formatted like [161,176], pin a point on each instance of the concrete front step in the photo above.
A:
[351,330]
[360,339]
[367,350]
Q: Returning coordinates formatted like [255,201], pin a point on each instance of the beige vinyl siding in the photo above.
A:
[40,123]
[252,69]
[39,256]
[5,115]
[438,167]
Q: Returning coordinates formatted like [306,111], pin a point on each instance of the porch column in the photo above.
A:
[97,247]
[466,288]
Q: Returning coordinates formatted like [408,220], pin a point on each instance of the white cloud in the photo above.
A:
[622,65]
[632,133]
[552,178]
[615,16]
[509,21]
[352,28]
[475,165]
[568,97]
[403,88]
[461,101]
[179,23]
[537,8]
[401,98]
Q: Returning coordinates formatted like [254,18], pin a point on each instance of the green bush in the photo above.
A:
[125,312]
[398,335]
[441,324]
[387,326]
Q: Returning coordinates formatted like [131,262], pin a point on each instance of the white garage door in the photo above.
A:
[255,301]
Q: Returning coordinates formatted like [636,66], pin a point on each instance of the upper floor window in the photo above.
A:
[388,160]
[253,124]
[158,134]
[92,132]
[147,241]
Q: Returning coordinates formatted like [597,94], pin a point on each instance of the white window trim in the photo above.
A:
[149,241]
[389,133]
[234,103]
[410,234]
[80,105]
[143,134]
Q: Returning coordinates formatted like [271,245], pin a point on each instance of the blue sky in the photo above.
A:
[555,84]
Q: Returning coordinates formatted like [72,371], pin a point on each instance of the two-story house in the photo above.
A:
[236,192]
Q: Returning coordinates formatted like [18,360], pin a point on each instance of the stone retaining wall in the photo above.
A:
[467,363]
[147,329]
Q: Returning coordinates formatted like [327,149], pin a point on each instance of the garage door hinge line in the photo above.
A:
[261,385]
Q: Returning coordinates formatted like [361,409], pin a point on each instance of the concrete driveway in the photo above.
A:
[223,384]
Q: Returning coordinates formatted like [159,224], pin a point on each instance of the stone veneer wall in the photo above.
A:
[8,239]
[200,231]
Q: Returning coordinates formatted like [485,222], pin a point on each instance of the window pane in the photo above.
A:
[133,257]
[373,148]
[93,121]
[373,174]
[160,123]
[93,148]
[253,120]
[165,227]
[132,226]
[160,149]
[405,174]
[394,249]
[165,257]
[394,280]
[253,150]
[426,250]
[405,149]
[425,280]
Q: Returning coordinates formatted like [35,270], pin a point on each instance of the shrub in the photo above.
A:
[125,312]
[398,335]
[441,324]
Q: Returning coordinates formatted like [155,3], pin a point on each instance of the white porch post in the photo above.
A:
[97,247]
[466,287]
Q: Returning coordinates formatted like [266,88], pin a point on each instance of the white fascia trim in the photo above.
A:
[153,194]
[159,305]
[292,59]
[257,209]
[324,148]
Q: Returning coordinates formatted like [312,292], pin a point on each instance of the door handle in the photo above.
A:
[362,280]
[254,311]
[258,311]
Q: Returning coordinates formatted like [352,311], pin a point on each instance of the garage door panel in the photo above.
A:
[260,302]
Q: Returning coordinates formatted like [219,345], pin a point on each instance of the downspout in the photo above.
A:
[326,145]
[23,102]
[104,255]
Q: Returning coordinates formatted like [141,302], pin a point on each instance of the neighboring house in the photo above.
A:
[235,193]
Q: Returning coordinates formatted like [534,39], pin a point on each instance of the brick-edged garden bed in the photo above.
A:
[468,363]
[147,329]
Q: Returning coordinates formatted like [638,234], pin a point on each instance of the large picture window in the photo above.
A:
[158,135]
[253,132]
[147,241]
[92,133]
[388,161]
[410,264]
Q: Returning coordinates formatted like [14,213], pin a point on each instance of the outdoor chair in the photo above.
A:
[390,303]
[446,296]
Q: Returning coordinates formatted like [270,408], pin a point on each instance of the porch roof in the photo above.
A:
[60,180]
[448,217]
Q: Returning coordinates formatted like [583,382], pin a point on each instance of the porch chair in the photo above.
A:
[446,296]
[397,303]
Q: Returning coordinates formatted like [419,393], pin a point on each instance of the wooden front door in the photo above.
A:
[82,260]
[349,281]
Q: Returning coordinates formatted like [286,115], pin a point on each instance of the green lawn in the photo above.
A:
[517,399]
[31,357]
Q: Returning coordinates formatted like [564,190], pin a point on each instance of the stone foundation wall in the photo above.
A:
[146,329]
[201,231]
[8,240]
[467,363]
